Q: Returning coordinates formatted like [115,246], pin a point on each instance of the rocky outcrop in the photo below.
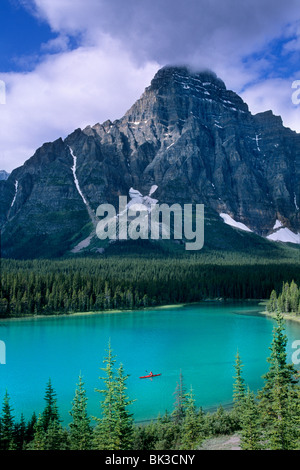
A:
[187,134]
[3,175]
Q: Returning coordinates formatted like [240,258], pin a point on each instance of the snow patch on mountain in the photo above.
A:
[285,235]
[15,196]
[74,168]
[277,225]
[233,223]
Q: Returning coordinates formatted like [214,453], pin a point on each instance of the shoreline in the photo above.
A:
[260,302]
[111,311]
[83,314]
[286,316]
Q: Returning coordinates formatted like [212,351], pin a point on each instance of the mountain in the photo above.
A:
[189,136]
[3,175]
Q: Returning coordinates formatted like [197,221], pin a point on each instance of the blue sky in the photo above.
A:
[20,35]
[70,63]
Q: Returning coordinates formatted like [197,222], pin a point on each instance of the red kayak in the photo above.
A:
[150,376]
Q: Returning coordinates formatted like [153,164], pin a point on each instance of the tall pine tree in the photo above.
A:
[106,434]
[250,423]
[180,401]
[50,412]
[80,428]
[7,441]
[279,391]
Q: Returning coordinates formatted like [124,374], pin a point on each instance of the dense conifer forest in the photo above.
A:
[286,301]
[43,287]
[268,419]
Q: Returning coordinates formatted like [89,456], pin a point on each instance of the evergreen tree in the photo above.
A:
[80,428]
[39,438]
[283,429]
[7,441]
[238,387]
[56,437]
[191,430]
[279,390]
[250,423]
[278,360]
[29,433]
[106,432]
[50,412]
[114,430]
[124,418]
[180,401]
[20,433]
[166,432]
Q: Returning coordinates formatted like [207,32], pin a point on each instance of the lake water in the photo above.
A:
[200,340]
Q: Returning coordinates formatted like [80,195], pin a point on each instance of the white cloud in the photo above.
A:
[122,45]
[67,91]
[275,95]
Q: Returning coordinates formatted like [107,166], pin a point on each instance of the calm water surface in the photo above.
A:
[200,340]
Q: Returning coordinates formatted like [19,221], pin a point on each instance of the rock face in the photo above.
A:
[3,175]
[188,135]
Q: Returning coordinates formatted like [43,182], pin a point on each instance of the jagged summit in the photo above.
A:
[184,75]
[176,93]
[188,135]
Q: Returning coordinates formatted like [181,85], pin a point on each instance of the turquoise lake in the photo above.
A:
[200,340]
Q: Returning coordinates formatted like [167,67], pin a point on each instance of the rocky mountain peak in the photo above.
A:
[169,75]
[189,136]
[177,93]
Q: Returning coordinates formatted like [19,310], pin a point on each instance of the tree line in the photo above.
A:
[287,301]
[269,419]
[42,287]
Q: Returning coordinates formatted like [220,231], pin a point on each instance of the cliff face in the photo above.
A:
[187,134]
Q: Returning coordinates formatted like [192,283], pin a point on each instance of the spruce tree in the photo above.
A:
[39,437]
[106,433]
[7,441]
[180,401]
[279,391]
[114,430]
[20,433]
[29,433]
[282,432]
[250,423]
[124,418]
[191,430]
[50,412]
[278,360]
[80,428]
[238,388]
[56,437]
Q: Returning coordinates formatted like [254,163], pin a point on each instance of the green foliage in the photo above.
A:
[238,387]
[270,420]
[192,426]
[221,422]
[287,301]
[278,401]
[82,285]
[80,428]
[180,401]
[114,430]
[50,412]
[251,434]
[7,441]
